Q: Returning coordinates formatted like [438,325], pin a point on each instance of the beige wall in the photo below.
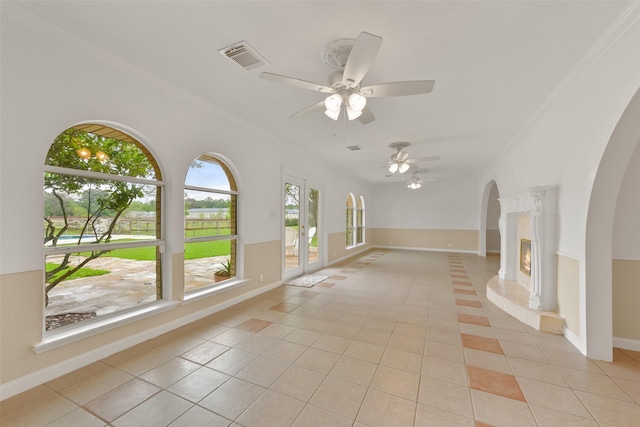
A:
[568,282]
[462,240]
[337,247]
[626,299]
[263,258]
[21,317]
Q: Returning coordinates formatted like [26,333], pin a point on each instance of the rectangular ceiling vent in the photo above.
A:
[354,147]
[244,55]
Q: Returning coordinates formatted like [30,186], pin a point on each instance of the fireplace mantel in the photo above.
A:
[541,204]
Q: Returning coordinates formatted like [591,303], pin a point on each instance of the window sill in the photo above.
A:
[227,285]
[59,338]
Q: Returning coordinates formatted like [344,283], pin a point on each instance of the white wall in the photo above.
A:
[51,81]
[564,146]
[437,205]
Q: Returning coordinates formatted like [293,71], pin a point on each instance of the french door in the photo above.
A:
[302,234]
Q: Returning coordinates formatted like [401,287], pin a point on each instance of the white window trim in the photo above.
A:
[85,329]
[352,243]
[207,291]
[237,281]
[361,226]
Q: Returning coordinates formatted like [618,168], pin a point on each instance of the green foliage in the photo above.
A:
[83,272]
[193,250]
[212,248]
[198,229]
[206,203]
[225,270]
[92,199]
[138,205]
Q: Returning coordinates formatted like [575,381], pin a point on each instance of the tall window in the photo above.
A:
[210,209]
[350,221]
[102,225]
[360,222]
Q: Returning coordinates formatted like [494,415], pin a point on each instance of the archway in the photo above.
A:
[596,305]
[489,239]
[626,260]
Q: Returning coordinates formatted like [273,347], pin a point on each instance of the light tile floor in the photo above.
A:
[392,338]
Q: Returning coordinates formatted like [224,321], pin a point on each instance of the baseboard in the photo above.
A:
[626,344]
[412,248]
[52,372]
[575,340]
[358,252]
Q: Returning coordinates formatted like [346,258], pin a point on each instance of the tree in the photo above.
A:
[103,200]
[314,195]
[292,196]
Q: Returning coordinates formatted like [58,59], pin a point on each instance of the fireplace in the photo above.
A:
[529,221]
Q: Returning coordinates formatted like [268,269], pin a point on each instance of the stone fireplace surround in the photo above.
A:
[537,306]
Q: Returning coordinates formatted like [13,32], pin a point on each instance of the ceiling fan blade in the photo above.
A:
[308,110]
[414,87]
[424,159]
[296,82]
[366,116]
[360,58]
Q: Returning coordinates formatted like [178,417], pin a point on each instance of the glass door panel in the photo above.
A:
[302,236]
[292,216]
[314,242]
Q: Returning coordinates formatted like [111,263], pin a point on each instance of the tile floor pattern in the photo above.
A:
[392,338]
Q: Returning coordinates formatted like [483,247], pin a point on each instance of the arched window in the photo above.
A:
[102,225]
[210,207]
[360,222]
[350,223]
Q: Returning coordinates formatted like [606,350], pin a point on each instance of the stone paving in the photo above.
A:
[129,283]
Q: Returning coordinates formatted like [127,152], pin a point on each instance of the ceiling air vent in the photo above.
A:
[244,55]
[354,147]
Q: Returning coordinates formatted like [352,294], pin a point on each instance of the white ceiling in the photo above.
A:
[495,64]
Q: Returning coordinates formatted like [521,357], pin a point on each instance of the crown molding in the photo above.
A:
[607,40]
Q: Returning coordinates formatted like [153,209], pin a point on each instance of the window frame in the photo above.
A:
[360,222]
[57,337]
[350,225]
[234,280]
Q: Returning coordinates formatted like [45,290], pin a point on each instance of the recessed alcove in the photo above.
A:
[526,283]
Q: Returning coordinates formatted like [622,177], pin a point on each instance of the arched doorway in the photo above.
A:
[596,306]
[489,243]
[626,260]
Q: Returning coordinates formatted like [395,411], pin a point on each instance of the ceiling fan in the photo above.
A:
[352,59]
[415,182]
[400,161]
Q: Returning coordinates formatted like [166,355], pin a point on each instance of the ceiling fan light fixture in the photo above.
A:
[333,102]
[403,167]
[393,167]
[357,102]
[333,114]
[414,185]
[353,114]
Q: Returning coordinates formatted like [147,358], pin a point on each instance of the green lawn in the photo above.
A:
[83,272]
[192,251]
